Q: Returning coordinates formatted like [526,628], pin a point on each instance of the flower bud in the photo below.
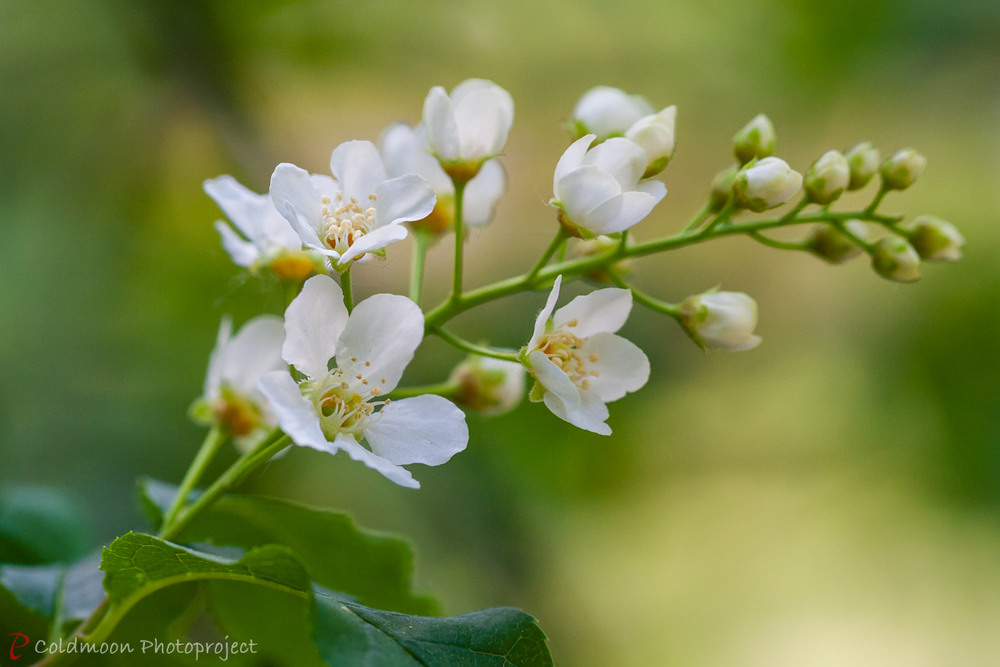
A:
[755,140]
[827,178]
[901,170]
[829,243]
[863,160]
[722,188]
[655,134]
[895,259]
[607,112]
[721,320]
[487,385]
[766,184]
[936,239]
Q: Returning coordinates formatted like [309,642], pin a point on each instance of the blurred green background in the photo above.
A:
[830,498]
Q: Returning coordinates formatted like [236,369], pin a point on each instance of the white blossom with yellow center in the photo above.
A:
[231,400]
[269,238]
[357,212]
[578,362]
[350,363]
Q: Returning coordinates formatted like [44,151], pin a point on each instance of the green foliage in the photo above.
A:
[375,569]
[39,525]
[270,594]
[355,634]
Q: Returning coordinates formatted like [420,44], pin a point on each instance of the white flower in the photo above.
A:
[828,177]
[901,170]
[579,364]
[936,239]
[655,134]
[863,160]
[405,151]
[598,190]
[487,385]
[359,211]
[756,139]
[469,127]
[231,399]
[606,112]
[721,320]
[765,184]
[349,361]
[270,240]
[894,258]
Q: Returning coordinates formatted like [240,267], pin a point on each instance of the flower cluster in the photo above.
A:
[328,376]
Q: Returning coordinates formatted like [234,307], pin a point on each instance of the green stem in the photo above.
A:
[420,241]
[774,243]
[446,389]
[456,285]
[473,348]
[243,466]
[867,246]
[557,243]
[209,448]
[348,289]
[673,310]
[448,309]
[879,196]
[722,217]
[698,219]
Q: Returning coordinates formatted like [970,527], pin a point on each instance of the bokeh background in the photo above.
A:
[830,498]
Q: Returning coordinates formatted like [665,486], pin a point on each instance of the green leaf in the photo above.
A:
[69,593]
[137,564]
[349,633]
[344,632]
[375,569]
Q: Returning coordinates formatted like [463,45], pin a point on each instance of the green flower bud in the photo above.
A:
[766,184]
[600,245]
[827,178]
[488,385]
[722,188]
[863,160]
[829,243]
[755,140]
[936,239]
[901,170]
[721,320]
[894,258]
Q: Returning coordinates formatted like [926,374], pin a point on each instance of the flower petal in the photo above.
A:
[602,310]
[589,415]
[243,253]
[244,208]
[404,151]
[313,322]
[554,379]
[403,199]
[255,350]
[296,415]
[543,317]
[213,377]
[379,340]
[374,240]
[584,189]
[629,209]
[482,194]
[621,366]
[358,168]
[620,157]
[439,119]
[392,472]
[571,159]
[425,429]
[483,118]
[294,195]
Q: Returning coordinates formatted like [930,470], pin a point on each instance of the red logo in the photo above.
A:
[24,639]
